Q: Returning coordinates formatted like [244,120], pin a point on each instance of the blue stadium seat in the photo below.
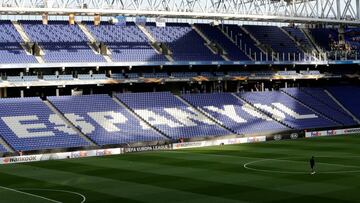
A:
[183,41]
[234,114]
[127,43]
[103,120]
[170,115]
[61,42]
[28,124]
[287,110]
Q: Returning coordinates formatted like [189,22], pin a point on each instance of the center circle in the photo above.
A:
[300,165]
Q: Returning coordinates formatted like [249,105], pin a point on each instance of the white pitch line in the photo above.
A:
[26,193]
[55,190]
[299,172]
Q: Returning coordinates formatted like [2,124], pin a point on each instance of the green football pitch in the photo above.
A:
[276,171]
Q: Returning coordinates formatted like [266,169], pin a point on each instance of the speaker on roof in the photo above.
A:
[103,49]
[36,50]
[71,19]
[215,23]
[140,20]
[160,22]
[45,18]
[97,19]
[113,21]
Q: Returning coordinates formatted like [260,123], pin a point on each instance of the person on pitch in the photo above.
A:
[312,165]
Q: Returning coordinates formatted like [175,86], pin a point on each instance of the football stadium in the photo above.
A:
[179,101]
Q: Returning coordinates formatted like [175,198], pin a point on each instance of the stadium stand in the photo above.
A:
[127,43]
[300,37]
[28,124]
[184,74]
[103,120]
[183,41]
[118,76]
[287,110]
[61,42]
[170,115]
[26,78]
[316,104]
[58,77]
[324,37]
[234,53]
[348,96]
[10,47]
[277,39]
[245,41]
[233,113]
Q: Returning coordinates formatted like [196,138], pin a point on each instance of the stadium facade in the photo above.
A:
[122,73]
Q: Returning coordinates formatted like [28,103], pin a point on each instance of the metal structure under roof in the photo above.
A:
[292,11]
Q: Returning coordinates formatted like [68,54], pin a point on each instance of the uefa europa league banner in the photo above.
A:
[61,155]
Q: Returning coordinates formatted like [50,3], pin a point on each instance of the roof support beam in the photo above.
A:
[322,11]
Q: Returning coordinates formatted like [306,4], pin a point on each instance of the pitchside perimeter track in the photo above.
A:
[275,171]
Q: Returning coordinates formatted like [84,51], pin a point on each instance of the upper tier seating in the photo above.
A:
[26,78]
[170,115]
[28,124]
[324,37]
[183,41]
[103,120]
[277,39]
[234,114]
[215,35]
[127,43]
[58,77]
[349,97]
[300,37]
[317,104]
[322,96]
[287,110]
[61,42]
[243,38]
[10,48]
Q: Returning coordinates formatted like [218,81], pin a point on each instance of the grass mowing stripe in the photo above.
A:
[212,174]
[108,185]
[26,193]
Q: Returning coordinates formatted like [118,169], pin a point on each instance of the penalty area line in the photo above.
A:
[246,166]
[56,190]
[30,194]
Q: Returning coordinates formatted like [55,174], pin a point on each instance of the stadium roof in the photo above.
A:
[323,11]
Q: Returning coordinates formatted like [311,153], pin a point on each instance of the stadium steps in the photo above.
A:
[314,110]
[6,145]
[311,39]
[331,96]
[19,28]
[57,112]
[91,39]
[204,113]
[343,107]
[208,41]
[233,41]
[119,102]
[253,38]
[153,41]
[261,111]
[293,39]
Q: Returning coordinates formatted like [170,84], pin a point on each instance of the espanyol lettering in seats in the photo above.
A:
[349,97]
[170,115]
[287,110]
[233,113]
[103,120]
[28,124]
[319,100]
